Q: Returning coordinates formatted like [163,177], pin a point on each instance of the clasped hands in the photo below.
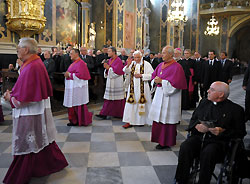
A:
[106,66]
[203,129]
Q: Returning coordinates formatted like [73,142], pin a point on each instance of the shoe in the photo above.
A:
[127,125]
[161,147]
[71,124]
[101,116]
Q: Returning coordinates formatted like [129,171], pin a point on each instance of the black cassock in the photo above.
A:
[185,97]
[226,115]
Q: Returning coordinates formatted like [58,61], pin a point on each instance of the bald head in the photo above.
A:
[218,91]
[167,53]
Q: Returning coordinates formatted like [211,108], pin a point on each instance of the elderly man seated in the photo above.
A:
[214,122]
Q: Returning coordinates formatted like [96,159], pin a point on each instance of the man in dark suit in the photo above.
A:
[198,68]
[66,60]
[56,57]
[123,56]
[40,54]
[157,60]
[227,66]
[87,59]
[100,58]
[153,61]
[50,64]
[211,71]
[100,69]
[246,86]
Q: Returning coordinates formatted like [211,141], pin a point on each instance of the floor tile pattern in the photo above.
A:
[105,153]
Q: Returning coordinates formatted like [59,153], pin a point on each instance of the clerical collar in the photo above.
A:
[215,103]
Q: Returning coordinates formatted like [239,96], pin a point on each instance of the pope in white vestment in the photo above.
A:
[139,73]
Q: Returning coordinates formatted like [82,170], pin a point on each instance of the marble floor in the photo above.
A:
[105,153]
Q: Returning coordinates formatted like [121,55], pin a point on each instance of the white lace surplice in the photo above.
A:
[76,92]
[114,86]
[33,126]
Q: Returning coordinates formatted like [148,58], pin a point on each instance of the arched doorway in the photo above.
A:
[239,39]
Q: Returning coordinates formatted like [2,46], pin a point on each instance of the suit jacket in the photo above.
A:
[186,65]
[89,60]
[154,63]
[211,73]
[41,55]
[146,58]
[99,64]
[123,58]
[246,80]
[50,67]
[57,59]
[65,62]
[226,72]
[198,69]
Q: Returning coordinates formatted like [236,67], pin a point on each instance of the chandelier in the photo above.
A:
[212,27]
[176,12]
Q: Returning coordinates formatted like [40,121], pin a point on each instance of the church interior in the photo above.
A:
[105,152]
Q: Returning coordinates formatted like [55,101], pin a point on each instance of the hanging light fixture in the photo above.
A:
[176,12]
[212,27]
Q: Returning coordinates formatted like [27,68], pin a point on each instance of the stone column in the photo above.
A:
[85,22]
[146,37]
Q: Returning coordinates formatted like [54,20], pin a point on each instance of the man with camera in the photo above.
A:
[214,123]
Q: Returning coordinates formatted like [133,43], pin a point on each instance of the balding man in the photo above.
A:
[123,56]
[214,122]
[35,151]
[49,64]
[87,59]
[165,110]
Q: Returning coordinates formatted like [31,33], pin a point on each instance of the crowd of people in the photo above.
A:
[140,89]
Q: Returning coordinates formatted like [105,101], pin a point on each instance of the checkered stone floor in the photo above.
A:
[106,153]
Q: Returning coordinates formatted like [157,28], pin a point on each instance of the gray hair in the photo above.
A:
[30,43]
[137,52]
[188,50]
[170,49]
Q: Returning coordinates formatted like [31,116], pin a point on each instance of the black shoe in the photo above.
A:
[71,124]
[160,147]
[101,116]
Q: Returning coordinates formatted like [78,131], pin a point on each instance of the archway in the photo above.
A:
[239,39]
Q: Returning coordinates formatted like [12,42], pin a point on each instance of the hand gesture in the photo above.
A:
[129,61]
[158,80]
[66,75]
[106,66]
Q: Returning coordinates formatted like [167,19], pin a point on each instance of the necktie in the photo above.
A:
[211,62]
